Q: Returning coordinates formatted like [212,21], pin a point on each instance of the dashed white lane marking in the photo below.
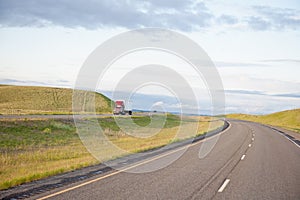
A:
[242,158]
[253,134]
[249,145]
[252,139]
[224,185]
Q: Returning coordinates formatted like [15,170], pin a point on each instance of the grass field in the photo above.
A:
[32,149]
[289,119]
[15,100]
[37,148]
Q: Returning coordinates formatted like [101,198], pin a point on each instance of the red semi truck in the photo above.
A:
[120,108]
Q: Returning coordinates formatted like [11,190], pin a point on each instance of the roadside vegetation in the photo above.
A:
[289,119]
[32,149]
[20,100]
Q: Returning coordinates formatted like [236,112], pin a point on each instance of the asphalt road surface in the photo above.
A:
[249,161]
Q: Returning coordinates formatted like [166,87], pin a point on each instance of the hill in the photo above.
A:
[45,100]
[289,119]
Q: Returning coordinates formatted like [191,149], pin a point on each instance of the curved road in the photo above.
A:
[249,161]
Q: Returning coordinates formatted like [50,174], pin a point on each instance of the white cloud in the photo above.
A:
[41,44]
[258,104]
[180,15]
[185,15]
[158,103]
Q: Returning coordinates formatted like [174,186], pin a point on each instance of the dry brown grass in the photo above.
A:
[15,100]
[28,152]
[289,119]
[17,167]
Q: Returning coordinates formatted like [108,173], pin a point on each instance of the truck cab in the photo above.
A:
[120,108]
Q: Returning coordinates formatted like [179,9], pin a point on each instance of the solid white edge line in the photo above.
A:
[276,131]
[242,158]
[224,185]
[292,141]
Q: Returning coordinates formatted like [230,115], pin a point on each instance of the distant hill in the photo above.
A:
[45,100]
[289,119]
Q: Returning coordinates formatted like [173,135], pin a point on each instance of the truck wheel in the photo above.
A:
[130,112]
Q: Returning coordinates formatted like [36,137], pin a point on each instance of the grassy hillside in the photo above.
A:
[289,119]
[45,100]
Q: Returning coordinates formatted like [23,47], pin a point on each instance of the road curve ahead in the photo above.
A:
[249,161]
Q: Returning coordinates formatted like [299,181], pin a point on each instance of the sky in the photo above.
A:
[254,45]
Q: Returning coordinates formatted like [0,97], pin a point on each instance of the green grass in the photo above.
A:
[28,152]
[289,119]
[17,134]
[191,127]
[143,121]
[36,148]
[47,100]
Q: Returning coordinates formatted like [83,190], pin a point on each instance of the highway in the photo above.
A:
[249,161]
